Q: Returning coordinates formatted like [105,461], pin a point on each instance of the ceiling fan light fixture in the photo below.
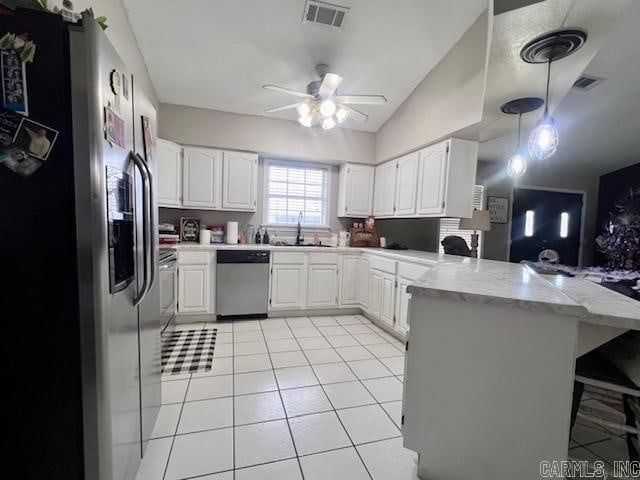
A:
[328,123]
[327,108]
[303,109]
[342,114]
[305,121]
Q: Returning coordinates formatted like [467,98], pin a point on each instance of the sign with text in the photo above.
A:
[498,209]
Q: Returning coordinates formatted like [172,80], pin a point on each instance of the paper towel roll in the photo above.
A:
[232,233]
[205,236]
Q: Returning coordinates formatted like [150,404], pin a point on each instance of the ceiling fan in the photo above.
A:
[322,105]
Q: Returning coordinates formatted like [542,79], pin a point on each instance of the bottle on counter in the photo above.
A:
[258,238]
[265,237]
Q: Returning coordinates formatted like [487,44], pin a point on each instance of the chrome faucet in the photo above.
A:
[299,237]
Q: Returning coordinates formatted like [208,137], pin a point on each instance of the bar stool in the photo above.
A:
[607,384]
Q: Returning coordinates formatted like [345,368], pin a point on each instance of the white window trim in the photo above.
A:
[265,196]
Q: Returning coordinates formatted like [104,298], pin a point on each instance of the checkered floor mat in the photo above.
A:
[188,351]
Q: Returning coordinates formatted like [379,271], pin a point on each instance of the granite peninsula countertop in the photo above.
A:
[490,282]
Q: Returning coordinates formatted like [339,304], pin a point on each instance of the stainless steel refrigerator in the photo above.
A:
[79,234]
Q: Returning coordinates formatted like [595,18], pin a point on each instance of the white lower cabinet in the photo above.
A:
[387,310]
[323,286]
[193,288]
[287,286]
[349,280]
[375,293]
[402,305]
[364,271]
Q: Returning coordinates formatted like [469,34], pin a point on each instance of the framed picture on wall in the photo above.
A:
[498,209]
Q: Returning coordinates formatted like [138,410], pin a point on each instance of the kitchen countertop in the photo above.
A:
[491,282]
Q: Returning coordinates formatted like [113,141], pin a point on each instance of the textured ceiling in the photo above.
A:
[598,128]
[218,53]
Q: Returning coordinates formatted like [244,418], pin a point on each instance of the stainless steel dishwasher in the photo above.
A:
[242,283]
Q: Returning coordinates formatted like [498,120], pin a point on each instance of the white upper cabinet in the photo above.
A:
[436,181]
[355,194]
[240,181]
[433,172]
[446,178]
[201,171]
[385,189]
[169,174]
[406,184]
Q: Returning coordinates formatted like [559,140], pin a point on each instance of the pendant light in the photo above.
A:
[547,48]
[517,163]
[543,140]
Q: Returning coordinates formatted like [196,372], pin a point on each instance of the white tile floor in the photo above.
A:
[288,399]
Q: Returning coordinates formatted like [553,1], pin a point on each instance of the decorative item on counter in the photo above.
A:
[343,238]
[189,229]
[217,233]
[232,233]
[365,237]
[241,239]
[205,236]
[383,242]
[316,239]
[250,233]
[370,224]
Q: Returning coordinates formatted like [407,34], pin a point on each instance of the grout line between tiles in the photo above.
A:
[293,442]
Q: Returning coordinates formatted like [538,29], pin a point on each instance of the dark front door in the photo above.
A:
[545,219]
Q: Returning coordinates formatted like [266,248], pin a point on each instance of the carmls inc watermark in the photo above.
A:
[583,469]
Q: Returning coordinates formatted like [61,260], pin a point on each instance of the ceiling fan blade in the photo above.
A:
[288,91]
[354,114]
[329,84]
[283,107]
[361,99]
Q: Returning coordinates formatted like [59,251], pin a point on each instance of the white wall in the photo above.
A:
[449,98]
[121,36]
[275,137]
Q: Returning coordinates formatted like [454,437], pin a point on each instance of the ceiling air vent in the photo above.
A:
[587,82]
[324,13]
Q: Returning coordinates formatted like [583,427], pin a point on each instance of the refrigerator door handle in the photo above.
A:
[153,270]
[146,209]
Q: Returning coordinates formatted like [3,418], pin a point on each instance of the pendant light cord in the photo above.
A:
[546,100]
[519,122]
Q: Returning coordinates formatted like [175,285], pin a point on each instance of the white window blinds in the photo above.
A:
[449,226]
[291,188]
